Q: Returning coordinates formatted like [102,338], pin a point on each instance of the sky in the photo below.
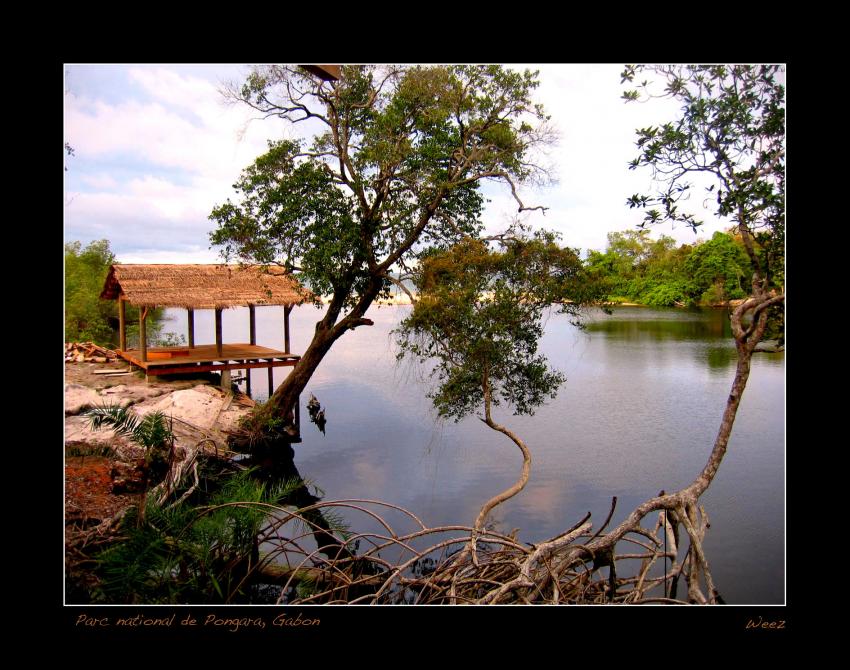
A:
[156,147]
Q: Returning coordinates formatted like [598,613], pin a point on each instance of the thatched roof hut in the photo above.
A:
[203,286]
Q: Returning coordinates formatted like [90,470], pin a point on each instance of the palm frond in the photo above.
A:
[282,490]
[123,422]
[152,430]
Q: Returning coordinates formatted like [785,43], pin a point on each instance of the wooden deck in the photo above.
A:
[205,358]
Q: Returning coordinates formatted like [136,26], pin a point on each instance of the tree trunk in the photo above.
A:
[328,330]
[519,485]
[745,343]
[283,400]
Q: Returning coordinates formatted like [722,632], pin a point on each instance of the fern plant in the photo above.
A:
[201,553]
[153,432]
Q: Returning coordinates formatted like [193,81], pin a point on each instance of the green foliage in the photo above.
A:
[153,432]
[637,268]
[396,166]
[665,295]
[732,128]
[86,316]
[479,317]
[140,569]
[646,270]
[90,319]
[191,553]
[149,431]
[719,269]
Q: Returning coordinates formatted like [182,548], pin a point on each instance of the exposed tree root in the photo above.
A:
[433,565]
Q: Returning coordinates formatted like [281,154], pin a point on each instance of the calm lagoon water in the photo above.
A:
[638,413]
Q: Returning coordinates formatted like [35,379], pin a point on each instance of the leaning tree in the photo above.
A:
[731,129]
[395,164]
[478,318]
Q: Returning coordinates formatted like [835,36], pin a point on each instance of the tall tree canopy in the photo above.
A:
[395,166]
[479,317]
[732,129]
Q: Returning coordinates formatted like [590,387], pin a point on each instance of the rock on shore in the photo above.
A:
[199,411]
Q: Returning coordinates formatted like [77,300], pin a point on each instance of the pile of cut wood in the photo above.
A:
[87,352]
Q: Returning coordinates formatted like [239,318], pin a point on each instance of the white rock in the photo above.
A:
[198,406]
[79,398]
[77,430]
[130,395]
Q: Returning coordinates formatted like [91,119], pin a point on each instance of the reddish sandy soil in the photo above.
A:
[88,495]
[88,502]
[88,491]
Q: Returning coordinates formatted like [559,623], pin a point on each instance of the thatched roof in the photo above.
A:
[203,286]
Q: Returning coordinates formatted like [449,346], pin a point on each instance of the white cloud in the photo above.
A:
[145,210]
[100,181]
[148,170]
[171,201]
[597,140]
[191,93]
[141,130]
[187,124]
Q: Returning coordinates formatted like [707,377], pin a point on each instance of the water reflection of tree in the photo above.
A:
[720,358]
[695,325]
[279,466]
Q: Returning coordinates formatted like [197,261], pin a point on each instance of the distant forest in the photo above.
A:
[90,319]
[655,272]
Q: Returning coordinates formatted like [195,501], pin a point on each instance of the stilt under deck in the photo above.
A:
[208,358]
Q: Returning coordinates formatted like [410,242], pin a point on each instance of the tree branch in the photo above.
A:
[401,285]
[503,175]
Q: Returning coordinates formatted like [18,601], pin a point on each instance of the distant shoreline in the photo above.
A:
[403,299]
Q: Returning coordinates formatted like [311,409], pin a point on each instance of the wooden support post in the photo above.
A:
[225,380]
[252,327]
[143,335]
[252,323]
[122,323]
[286,310]
[191,314]
[271,382]
[218,331]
